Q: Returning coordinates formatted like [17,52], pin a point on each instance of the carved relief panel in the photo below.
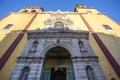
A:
[58,17]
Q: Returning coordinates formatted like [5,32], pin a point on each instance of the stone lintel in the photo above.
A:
[58,34]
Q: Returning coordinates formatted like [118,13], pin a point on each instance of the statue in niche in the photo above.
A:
[82,48]
[24,73]
[81,45]
[58,41]
[34,45]
[90,73]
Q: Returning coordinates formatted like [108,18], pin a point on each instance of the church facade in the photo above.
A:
[79,45]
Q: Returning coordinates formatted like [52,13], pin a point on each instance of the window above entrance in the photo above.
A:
[58,24]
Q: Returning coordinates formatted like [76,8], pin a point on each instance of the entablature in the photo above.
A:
[85,58]
[58,34]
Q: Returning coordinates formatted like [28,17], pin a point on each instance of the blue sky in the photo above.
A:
[110,7]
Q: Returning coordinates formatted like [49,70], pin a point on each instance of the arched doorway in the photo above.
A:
[57,65]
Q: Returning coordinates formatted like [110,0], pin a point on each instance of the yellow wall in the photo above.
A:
[110,38]
[78,24]
[85,10]
[104,63]
[19,22]
[39,21]
[10,64]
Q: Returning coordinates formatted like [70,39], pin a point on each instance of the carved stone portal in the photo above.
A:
[57,55]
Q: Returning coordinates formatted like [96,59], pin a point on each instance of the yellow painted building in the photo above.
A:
[79,45]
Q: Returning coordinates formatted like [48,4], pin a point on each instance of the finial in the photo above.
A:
[80,6]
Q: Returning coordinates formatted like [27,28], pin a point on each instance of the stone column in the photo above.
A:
[79,70]
[36,69]
[34,63]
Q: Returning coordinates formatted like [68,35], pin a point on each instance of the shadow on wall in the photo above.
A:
[15,41]
[112,42]
[11,45]
[109,44]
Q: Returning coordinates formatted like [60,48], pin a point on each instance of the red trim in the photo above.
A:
[11,48]
[86,23]
[106,52]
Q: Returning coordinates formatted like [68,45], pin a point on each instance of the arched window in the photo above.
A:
[34,45]
[90,73]
[81,44]
[58,24]
[24,73]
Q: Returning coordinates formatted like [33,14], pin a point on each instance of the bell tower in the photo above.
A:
[35,9]
[81,8]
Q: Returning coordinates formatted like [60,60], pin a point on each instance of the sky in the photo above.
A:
[110,7]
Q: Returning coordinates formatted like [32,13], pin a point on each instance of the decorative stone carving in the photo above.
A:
[49,41]
[69,22]
[67,41]
[48,22]
[58,41]
[58,16]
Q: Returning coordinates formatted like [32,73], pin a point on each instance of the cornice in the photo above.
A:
[49,12]
[85,58]
[58,34]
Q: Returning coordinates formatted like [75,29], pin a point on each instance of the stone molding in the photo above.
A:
[85,58]
[58,34]
[31,59]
